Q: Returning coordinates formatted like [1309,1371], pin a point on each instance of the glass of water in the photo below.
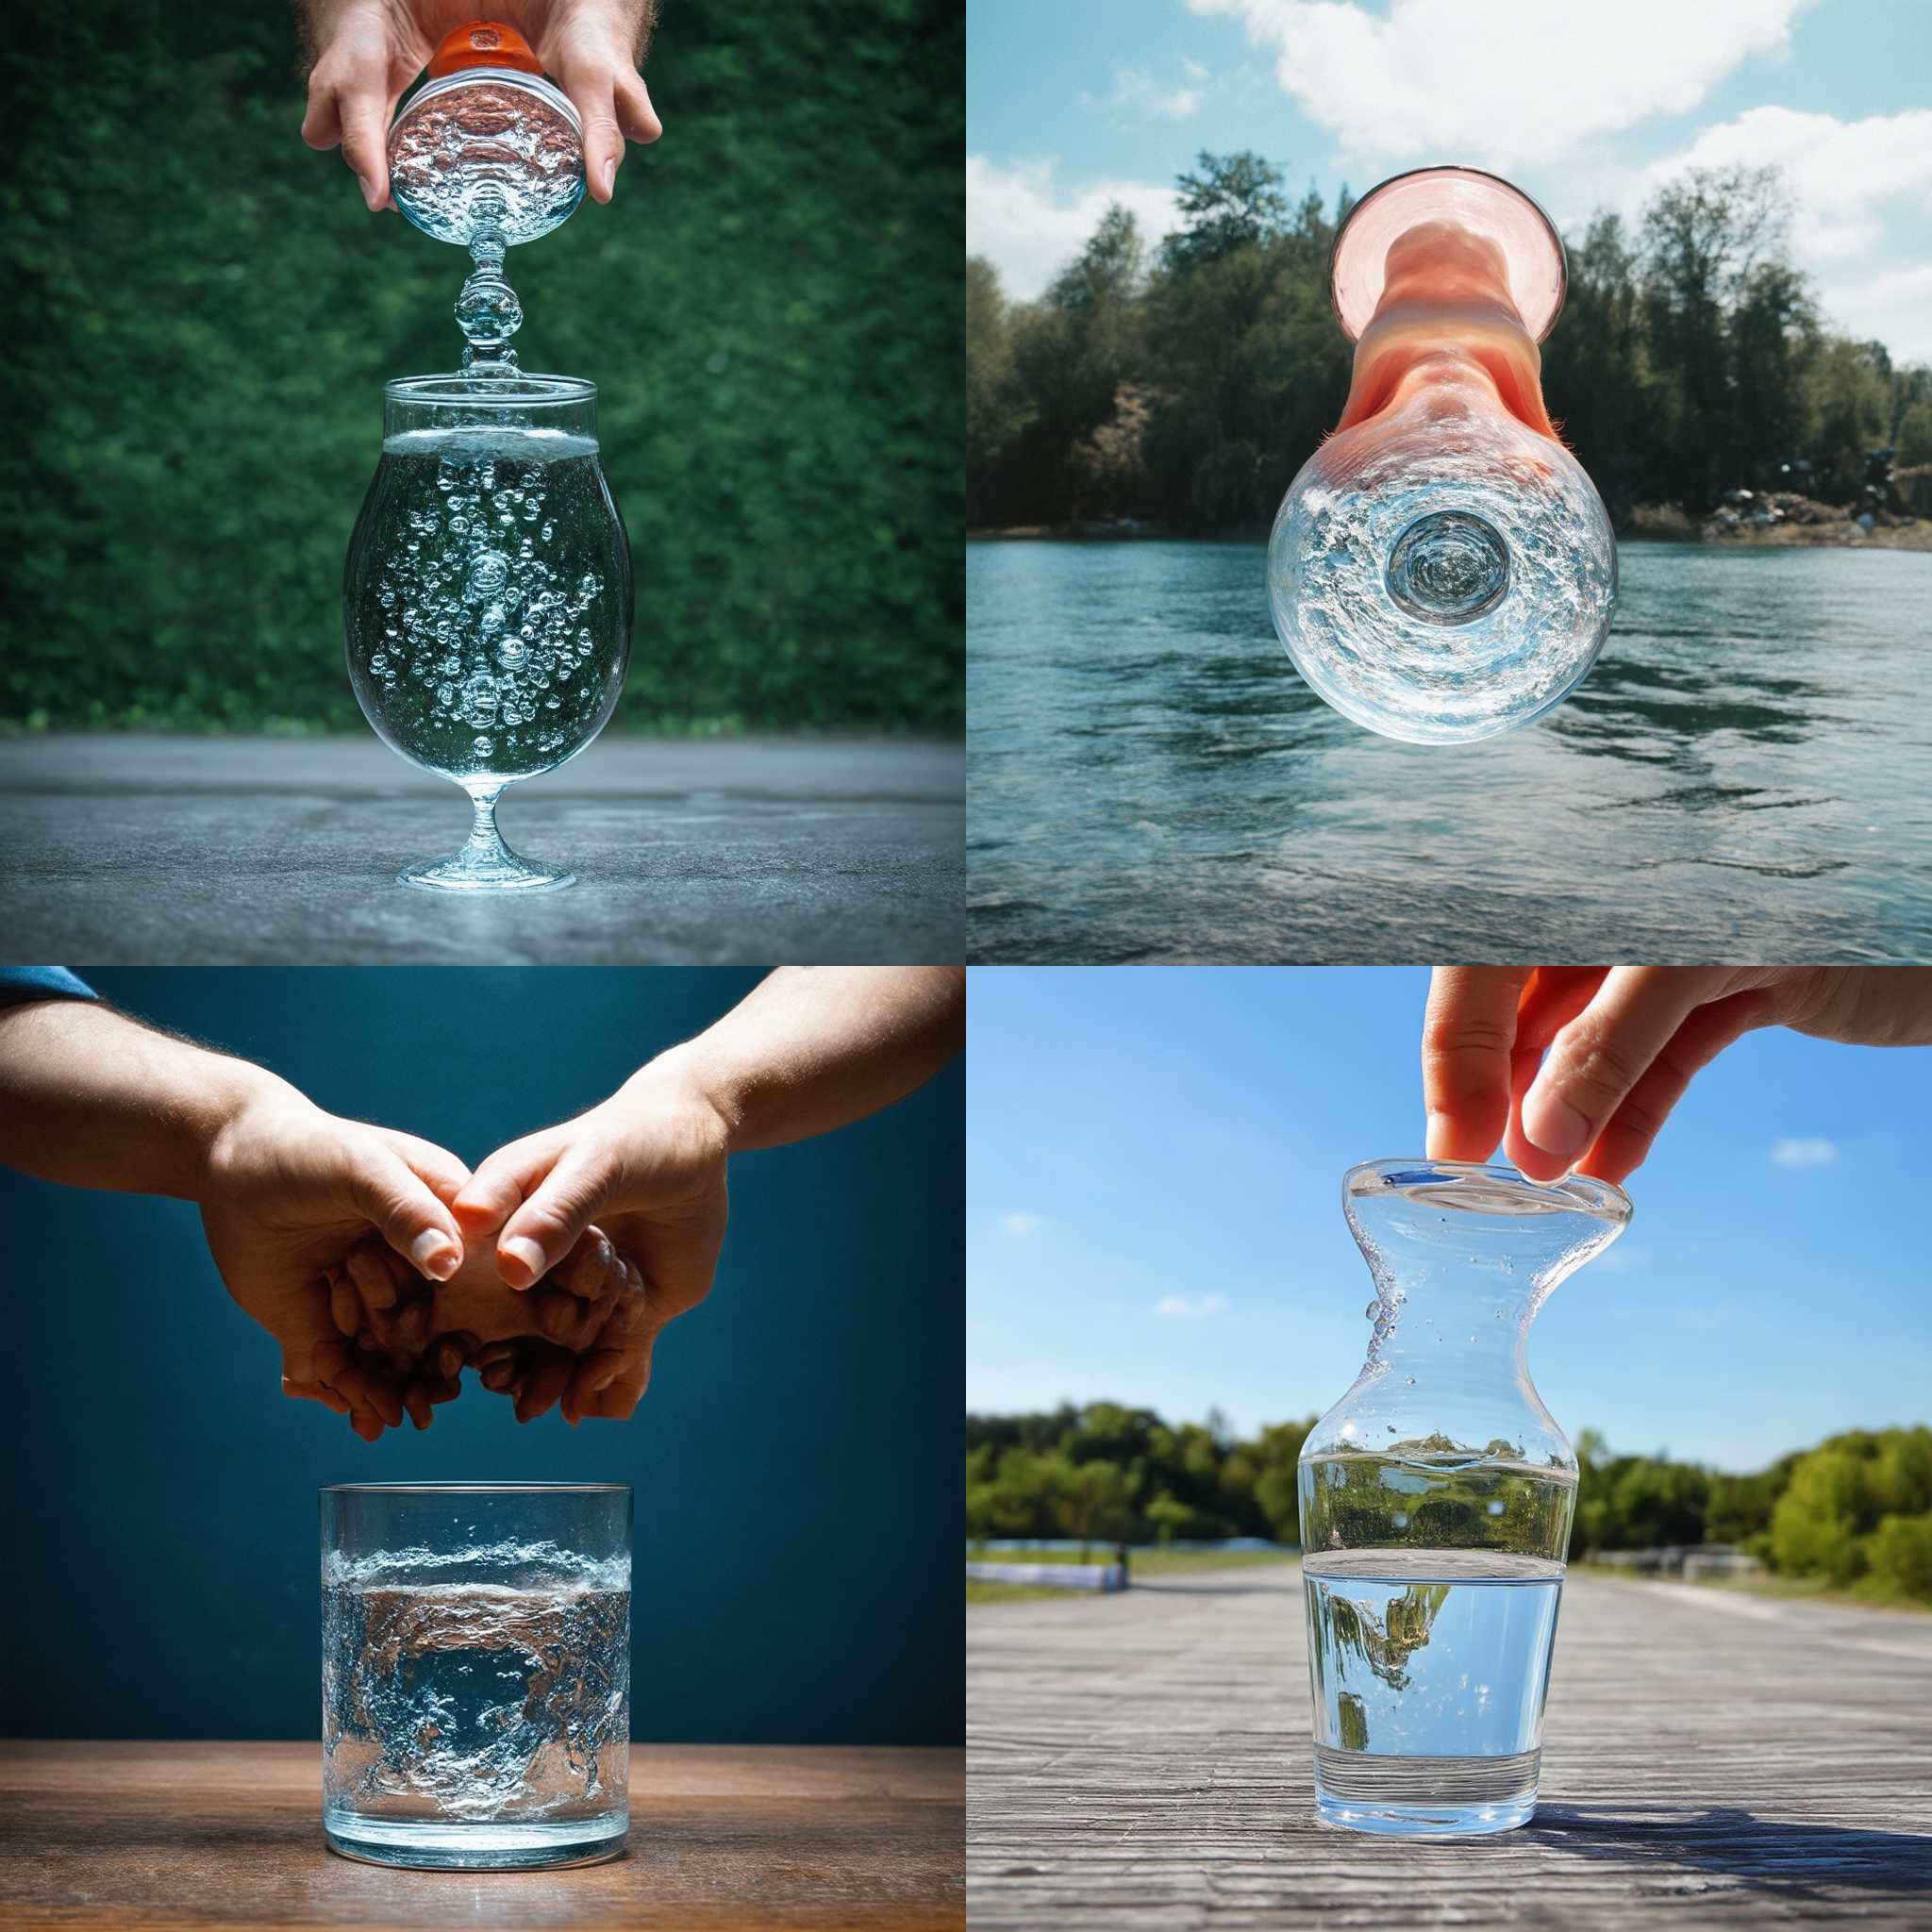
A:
[475,1672]
[487,603]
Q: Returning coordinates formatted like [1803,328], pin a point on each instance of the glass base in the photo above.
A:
[1424,1797]
[424,1845]
[464,871]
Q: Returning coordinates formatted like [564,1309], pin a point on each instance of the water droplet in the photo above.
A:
[1373,1309]
[511,653]
[1409,1380]
[482,746]
[544,532]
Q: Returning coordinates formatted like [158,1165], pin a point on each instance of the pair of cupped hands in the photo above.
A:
[384,1266]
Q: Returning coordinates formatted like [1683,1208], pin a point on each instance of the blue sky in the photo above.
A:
[1076,102]
[1153,1160]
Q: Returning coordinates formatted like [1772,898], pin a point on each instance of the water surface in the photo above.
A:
[1745,776]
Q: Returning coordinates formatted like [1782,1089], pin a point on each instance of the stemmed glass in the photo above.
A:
[487,602]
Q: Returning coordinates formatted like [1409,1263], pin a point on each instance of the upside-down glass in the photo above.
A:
[475,1672]
[487,603]
[1436,1499]
[1442,569]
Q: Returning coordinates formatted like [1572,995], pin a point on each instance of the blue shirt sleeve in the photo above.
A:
[19,984]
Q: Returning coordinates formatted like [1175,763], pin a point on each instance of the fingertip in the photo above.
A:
[519,1261]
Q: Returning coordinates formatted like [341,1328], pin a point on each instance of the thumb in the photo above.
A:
[554,1213]
[403,1211]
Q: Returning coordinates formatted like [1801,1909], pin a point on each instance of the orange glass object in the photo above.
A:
[1443,569]
[484,44]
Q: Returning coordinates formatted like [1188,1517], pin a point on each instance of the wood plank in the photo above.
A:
[1709,1758]
[231,1835]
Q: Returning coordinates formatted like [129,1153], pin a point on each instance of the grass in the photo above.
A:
[1864,1596]
[1141,1564]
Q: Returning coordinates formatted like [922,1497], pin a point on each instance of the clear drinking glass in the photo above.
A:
[475,1672]
[1442,569]
[487,603]
[1436,1499]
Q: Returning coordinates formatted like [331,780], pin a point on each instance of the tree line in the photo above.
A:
[1857,1510]
[1185,386]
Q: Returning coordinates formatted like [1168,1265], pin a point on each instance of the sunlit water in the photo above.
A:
[1429,1670]
[469,1717]
[1746,772]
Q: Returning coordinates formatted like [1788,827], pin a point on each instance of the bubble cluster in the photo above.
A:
[488,650]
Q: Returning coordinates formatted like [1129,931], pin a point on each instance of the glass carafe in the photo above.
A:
[487,604]
[1442,569]
[1436,1500]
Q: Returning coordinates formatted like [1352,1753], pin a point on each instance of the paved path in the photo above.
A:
[1709,1758]
[123,850]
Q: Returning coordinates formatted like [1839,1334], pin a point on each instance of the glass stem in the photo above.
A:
[485,846]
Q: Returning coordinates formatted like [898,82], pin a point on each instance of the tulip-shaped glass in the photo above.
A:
[487,604]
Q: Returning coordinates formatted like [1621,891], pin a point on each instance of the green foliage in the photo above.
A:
[1857,1506]
[1107,1474]
[204,315]
[1690,360]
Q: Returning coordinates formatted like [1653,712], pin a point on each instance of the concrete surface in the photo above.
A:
[152,850]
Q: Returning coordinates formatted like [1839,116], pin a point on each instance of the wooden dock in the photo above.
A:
[1711,1758]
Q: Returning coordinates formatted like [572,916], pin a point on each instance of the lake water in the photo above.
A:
[1745,776]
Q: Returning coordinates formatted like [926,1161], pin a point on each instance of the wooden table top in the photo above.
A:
[1711,1758]
[720,1837]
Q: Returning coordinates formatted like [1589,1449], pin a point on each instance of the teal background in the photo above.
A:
[798,1523]
[202,314]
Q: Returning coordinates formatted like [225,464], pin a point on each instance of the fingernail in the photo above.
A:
[1554,1125]
[433,1255]
[610,175]
[524,1259]
[371,192]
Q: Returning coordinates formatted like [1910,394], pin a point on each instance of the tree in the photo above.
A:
[996,407]
[1233,202]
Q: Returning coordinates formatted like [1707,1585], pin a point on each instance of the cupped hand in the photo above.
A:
[646,1169]
[1578,1067]
[287,1193]
[525,1345]
[366,53]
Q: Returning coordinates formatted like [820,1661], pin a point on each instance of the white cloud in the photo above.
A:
[1018,1226]
[1893,308]
[1503,81]
[1029,227]
[1192,1308]
[1137,92]
[1810,1150]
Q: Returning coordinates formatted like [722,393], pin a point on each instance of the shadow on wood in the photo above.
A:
[1793,1861]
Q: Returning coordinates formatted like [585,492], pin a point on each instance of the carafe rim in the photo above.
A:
[1504,1188]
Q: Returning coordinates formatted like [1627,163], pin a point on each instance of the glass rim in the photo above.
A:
[456,390]
[467,1487]
[1484,174]
[540,85]
[1574,1193]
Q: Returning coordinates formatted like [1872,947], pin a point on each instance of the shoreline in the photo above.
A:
[1846,536]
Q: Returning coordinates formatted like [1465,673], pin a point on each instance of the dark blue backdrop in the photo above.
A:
[795,1460]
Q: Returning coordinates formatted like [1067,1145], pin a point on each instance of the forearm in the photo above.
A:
[94,1099]
[814,1047]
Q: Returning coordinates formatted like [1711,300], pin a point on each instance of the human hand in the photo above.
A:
[364,53]
[287,1193]
[1578,1067]
[525,1345]
[646,1170]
